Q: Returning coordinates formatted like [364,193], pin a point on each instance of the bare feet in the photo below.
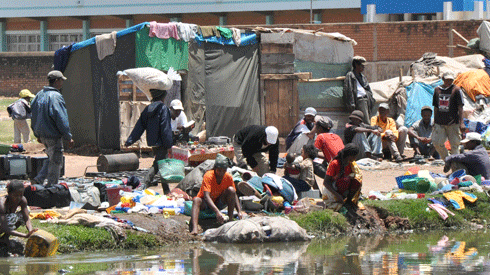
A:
[194,233]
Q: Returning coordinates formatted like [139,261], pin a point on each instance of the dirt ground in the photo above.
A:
[373,180]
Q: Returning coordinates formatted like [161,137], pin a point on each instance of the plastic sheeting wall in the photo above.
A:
[232,86]
[321,94]
[418,95]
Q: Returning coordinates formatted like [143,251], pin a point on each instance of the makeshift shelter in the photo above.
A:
[229,89]
[220,79]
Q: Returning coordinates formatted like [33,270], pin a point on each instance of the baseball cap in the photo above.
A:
[271,133]
[310,111]
[359,59]
[426,108]
[26,93]
[56,75]
[448,75]
[384,106]
[357,114]
[471,136]
[324,122]
[176,105]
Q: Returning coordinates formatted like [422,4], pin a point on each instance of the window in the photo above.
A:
[57,41]
[23,42]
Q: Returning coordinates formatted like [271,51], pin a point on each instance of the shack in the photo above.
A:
[265,76]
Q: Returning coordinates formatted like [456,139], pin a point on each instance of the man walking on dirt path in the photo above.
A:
[155,120]
[50,125]
[448,116]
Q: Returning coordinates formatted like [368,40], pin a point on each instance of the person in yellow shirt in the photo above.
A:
[393,139]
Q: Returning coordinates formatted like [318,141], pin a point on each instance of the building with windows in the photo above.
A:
[416,10]
[43,25]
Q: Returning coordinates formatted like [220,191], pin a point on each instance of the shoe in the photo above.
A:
[398,159]
[247,190]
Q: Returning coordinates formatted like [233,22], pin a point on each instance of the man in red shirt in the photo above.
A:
[328,143]
[217,191]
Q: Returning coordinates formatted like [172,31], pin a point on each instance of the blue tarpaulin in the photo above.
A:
[418,95]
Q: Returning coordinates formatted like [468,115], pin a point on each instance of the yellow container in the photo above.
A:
[278,200]
[41,244]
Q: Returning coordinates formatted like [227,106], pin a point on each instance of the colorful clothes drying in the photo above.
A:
[456,198]
[163,30]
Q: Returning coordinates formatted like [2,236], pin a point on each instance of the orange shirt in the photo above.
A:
[210,185]
[390,124]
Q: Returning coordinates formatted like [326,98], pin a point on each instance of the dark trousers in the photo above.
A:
[299,185]
[159,153]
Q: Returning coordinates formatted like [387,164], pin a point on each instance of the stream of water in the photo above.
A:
[449,252]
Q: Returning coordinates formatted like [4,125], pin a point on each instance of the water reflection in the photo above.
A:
[428,253]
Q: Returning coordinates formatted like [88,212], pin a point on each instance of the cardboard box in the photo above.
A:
[195,157]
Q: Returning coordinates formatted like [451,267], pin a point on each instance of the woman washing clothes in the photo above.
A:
[10,220]
[343,180]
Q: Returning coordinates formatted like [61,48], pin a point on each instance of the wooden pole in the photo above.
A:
[460,36]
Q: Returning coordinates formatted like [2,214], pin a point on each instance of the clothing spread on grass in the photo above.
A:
[456,198]
[160,53]
[441,210]
[209,184]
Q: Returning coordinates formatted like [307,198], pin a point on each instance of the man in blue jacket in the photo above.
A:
[155,119]
[50,125]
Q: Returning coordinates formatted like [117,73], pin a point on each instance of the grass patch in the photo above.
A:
[74,238]
[7,133]
[326,221]
[415,212]
[6,101]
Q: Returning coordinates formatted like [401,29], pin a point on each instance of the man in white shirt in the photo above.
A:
[178,122]
[357,94]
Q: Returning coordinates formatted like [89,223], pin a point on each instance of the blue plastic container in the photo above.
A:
[401,178]
[456,174]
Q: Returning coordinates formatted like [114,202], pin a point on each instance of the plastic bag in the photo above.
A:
[171,170]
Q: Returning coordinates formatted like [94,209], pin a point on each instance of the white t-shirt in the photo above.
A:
[360,90]
[179,121]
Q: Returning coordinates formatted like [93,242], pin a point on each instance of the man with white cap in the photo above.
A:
[179,121]
[448,116]
[251,143]
[20,111]
[50,125]
[475,161]
[155,120]
[298,137]
[357,93]
[393,139]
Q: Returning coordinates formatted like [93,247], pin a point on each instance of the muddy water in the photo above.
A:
[419,253]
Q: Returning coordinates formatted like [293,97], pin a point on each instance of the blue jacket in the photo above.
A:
[155,119]
[49,116]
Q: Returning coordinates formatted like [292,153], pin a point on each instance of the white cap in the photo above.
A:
[471,136]
[176,105]
[271,133]
[310,111]
[448,75]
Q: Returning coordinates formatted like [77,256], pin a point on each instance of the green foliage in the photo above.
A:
[326,221]
[419,217]
[79,238]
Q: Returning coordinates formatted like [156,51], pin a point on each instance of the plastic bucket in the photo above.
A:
[456,174]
